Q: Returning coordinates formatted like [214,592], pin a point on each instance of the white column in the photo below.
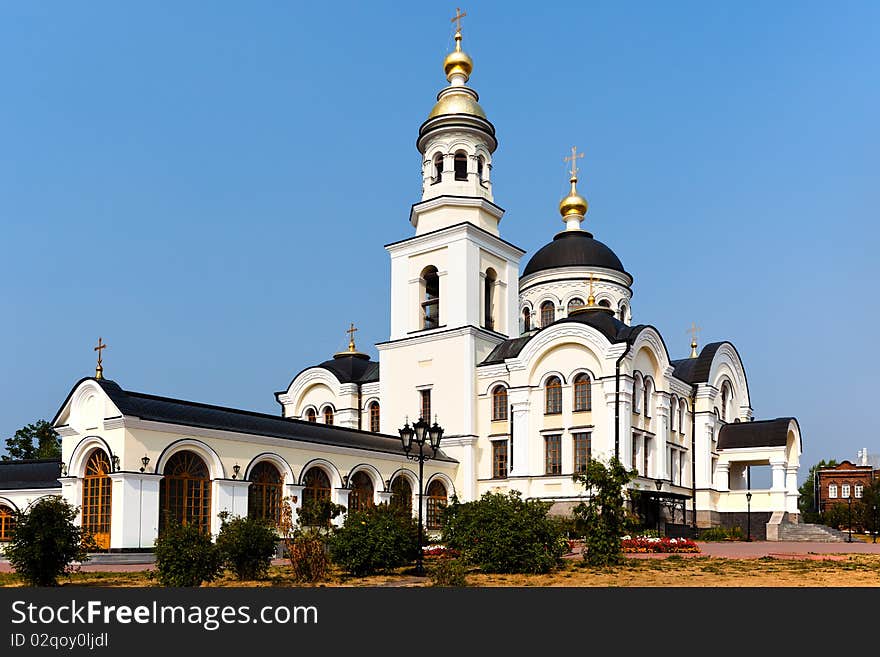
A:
[625,412]
[231,495]
[722,477]
[294,493]
[661,426]
[519,400]
[382,497]
[71,491]
[134,522]
[778,468]
[341,495]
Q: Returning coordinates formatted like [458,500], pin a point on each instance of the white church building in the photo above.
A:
[531,368]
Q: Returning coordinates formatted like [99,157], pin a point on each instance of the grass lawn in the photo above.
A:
[844,571]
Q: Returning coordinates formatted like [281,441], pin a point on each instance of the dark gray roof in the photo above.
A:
[696,370]
[353,368]
[761,433]
[574,248]
[38,473]
[208,416]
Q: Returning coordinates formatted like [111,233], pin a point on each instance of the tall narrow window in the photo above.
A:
[582,396]
[635,452]
[481,164]
[548,313]
[499,459]
[435,504]
[858,490]
[7,523]
[832,491]
[438,168]
[265,493]
[374,417]
[646,450]
[527,320]
[647,401]
[499,403]
[637,394]
[489,299]
[582,451]
[430,298]
[553,454]
[360,497]
[96,499]
[553,396]
[844,491]
[724,395]
[623,313]
[460,164]
[316,491]
[681,406]
[401,494]
[426,404]
[185,492]
[574,304]
[328,415]
[311,416]
[673,412]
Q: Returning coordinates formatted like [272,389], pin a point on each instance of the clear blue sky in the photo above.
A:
[208,186]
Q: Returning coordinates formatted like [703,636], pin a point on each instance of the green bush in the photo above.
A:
[318,513]
[307,551]
[185,556]
[448,572]
[722,534]
[247,546]
[502,533]
[376,539]
[46,541]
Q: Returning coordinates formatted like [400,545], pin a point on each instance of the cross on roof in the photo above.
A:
[573,158]
[459,14]
[351,331]
[99,370]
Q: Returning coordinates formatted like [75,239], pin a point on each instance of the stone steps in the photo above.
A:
[810,532]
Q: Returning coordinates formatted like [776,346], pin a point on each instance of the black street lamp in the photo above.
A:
[874,540]
[418,433]
[659,484]
[849,518]
[749,516]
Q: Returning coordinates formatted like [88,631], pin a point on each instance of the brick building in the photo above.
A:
[838,483]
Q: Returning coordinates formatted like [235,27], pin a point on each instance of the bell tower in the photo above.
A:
[455,282]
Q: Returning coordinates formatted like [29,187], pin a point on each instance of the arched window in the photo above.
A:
[582,396]
[460,165]
[637,394]
[577,302]
[317,485]
[311,416]
[430,298]
[681,408]
[401,495]
[438,168]
[489,299]
[265,493]
[7,522]
[527,320]
[673,412]
[436,502]
[361,495]
[374,417]
[605,303]
[185,492]
[553,396]
[623,313]
[481,164]
[499,403]
[648,389]
[548,313]
[97,498]
[328,415]
[724,395]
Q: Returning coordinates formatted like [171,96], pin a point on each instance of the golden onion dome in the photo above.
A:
[574,203]
[457,103]
[457,62]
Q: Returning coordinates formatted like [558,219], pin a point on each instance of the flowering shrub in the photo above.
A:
[645,544]
[439,552]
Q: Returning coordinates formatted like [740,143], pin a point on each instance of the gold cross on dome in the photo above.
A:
[694,330]
[573,158]
[591,299]
[457,18]
[351,331]
[99,370]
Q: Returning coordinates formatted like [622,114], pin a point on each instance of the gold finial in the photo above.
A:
[573,205]
[694,330]
[99,370]
[591,300]
[351,331]
[458,62]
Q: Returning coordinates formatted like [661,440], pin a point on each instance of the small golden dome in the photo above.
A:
[574,203]
[458,63]
[457,103]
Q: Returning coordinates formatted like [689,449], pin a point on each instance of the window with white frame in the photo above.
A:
[832,491]
[844,491]
[858,490]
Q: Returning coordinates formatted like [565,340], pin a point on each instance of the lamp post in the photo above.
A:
[749,516]
[419,433]
[659,484]
[849,518]
[874,539]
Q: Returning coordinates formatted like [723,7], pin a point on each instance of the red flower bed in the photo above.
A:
[644,544]
[439,552]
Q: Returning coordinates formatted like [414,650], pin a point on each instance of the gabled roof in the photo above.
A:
[760,433]
[208,416]
[36,473]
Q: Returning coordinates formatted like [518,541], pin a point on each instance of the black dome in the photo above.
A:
[573,248]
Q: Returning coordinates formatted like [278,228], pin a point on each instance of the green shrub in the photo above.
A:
[502,533]
[46,541]
[307,551]
[722,534]
[247,546]
[318,513]
[185,556]
[448,572]
[376,539]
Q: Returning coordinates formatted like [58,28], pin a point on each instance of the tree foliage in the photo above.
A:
[33,441]
[604,514]
[376,539]
[503,533]
[807,502]
[186,556]
[247,546]
[46,542]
